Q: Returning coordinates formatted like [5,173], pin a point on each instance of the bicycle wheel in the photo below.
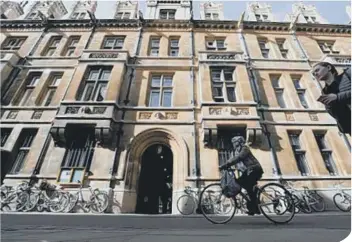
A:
[274,197]
[342,202]
[305,208]
[73,199]
[32,202]
[21,201]
[216,207]
[99,202]
[186,204]
[296,203]
[318,203]
[58,202]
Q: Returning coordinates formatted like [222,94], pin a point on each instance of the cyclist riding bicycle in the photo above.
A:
[251,170]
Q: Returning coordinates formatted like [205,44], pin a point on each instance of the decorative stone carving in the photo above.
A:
[254,136]
[229,111]
[58,134]
[145,115]
[72,110]
[289,117]
[210,136]
[85,109]
[12,115]
[103,55]
[99,110]
[159,115]
[37,114]
[171,115]
[224,56]
[103,135]
[343,60]
[313,117]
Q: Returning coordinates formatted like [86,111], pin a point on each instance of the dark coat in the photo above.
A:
[340,109]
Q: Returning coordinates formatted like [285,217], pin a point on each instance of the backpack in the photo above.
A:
[230,188]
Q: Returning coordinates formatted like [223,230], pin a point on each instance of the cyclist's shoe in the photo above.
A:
[252,212]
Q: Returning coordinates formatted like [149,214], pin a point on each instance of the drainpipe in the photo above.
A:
[126,102]
[43,152]
[196,168]
[255,88]
[318,84]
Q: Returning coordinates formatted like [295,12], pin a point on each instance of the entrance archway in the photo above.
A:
[154,194]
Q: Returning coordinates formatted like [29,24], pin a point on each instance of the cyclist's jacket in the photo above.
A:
[243,159]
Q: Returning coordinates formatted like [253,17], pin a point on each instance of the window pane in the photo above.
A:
[34,81]
[275,83]
[294,139]
[154,52]
[101,91]
[155,43]
[50,52]
[5,133]
[109,43]
[220,44]
[228,75]
[26,96]
[154,99]
[231,94]
[167,82]
[156,80]
[119,15]
[215,16]
[49,97]
[174,43]
[216,75]
[217,90]
[105,75]
[93,75]
[296,83]
[303,100]
[56,80]
[88,91]
[321,141]
[167,96]
[280,99]
[127,15]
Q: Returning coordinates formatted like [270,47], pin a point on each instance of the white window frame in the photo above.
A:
[327,47]
[154,47]
[214,44]
[284,51]
[52,46]
[167,13]
[174,48]
[71,45]
[13,43]
[264,50]
[118,42]
[52,87]
[30,83]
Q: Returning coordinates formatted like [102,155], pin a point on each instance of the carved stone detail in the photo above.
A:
[254,136]
[12,115]
[72,110]
[224,56]
[171,115]
[229,111]
[99,110]
[159,115]
[145,115]
[289,117]
[37,114]
[103,55]
[313,117]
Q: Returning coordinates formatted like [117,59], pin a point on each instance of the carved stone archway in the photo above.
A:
[134,156]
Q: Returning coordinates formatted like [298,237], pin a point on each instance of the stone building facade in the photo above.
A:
[111,96]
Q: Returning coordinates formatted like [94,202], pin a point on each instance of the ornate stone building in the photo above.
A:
[130,98]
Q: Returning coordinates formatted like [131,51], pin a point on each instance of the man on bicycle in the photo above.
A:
[251,170]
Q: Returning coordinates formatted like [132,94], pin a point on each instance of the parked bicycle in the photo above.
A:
[342,200]
[188,203]
[97,203]
[219,209]
[14,197]
[314,200]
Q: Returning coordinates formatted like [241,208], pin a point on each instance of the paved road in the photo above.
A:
[329,227]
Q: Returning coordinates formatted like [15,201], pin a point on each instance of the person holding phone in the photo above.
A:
[336,95]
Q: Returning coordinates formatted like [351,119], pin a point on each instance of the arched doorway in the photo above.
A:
[155,180]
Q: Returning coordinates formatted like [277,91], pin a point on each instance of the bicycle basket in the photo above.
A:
[229,186]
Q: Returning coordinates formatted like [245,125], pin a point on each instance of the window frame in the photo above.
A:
[174,48]
[264,51]
[167,13]
[115,39]
[94,83]
[161,89]
[18,42]
[51,46]
[153,48]
[31,81]
[71,46]
[51,88]
[325,151]
[299,152]
[215,46]
[5,134]
[223,83]
[278,90]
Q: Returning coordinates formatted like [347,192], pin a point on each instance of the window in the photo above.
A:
[161,91]
[71,45]
[326,153]
[113,42]
[216,44]
[154,46]
[3,16]
[299,153]
[119,15]
[75,15]
[30,83]
[263,48]
[261,18]
[93,88]
[279,91]
[223,85]
[82,15]
[78,155]
[215,16]
[224,144]
[52,46]
[78,15]
[126,16]
[327,47]
[167,13]
[174,46]
[54,81]
[283,50]
[300,90]
[13,43]
[24,144]
[310,19]
[208,16]
[5,133]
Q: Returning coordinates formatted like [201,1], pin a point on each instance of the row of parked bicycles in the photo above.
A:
[28,197]
[304,200]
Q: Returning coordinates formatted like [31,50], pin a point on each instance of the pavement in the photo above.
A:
[319,227]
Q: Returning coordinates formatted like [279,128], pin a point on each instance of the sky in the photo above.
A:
[333,11]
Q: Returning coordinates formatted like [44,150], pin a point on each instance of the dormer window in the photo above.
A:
[215,44]
[211,16]
[261,17]
[311,19]
[123,15]
[32,16]
[167,14]
[327,47]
